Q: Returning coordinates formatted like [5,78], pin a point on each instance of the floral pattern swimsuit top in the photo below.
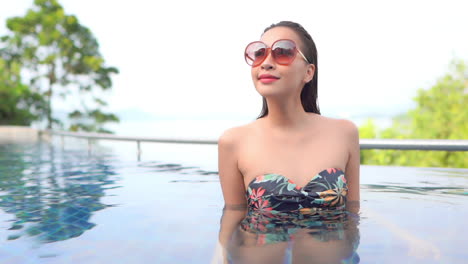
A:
[274,193]
[278,208]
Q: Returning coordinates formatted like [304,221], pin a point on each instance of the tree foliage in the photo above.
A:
[19,105]
[61,56]
[441,113]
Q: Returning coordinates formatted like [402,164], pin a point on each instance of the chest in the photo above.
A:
[297,158]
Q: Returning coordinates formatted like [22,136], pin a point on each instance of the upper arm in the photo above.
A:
[353,163]
[231,179]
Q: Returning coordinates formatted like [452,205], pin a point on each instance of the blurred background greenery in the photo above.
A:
[441,113]
[60,57]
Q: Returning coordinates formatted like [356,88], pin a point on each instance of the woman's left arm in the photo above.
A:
[352,168]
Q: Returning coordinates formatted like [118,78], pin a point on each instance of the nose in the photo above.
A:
[267,66]
[268,63]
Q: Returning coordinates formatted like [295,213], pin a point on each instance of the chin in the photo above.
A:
[269,91]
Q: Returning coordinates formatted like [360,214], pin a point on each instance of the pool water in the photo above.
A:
[61,203]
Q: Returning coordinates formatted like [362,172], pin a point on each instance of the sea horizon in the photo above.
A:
[138,123]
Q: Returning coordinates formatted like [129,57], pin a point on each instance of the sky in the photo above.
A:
[185,58]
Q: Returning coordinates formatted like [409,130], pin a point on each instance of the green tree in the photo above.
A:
[61,56]
[19,105]
[442,110]
[441,113]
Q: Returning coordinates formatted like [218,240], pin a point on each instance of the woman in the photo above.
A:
[289,163]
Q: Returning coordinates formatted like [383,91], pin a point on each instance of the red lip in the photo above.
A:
[267,78]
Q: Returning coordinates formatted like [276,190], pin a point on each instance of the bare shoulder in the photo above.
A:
[350,134]
[231,137]
[346,127]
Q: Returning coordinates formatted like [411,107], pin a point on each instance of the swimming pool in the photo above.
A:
[61,204]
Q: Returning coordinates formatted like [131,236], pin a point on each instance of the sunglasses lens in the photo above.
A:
[255,53]
[284,52]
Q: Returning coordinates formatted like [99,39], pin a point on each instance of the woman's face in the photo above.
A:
[272,79]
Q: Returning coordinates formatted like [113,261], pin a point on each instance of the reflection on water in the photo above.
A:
[51,194]
[434,182]
[409,215]
[174,167]
[320,237]
[416,189]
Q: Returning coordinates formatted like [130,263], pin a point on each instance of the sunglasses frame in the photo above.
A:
[268,52]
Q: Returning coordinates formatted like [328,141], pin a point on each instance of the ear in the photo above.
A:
[309,73]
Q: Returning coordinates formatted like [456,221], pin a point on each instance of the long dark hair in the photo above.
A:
[309,91]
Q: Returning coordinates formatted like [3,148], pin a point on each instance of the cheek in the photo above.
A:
[253,74]
[296,76]
[300,75]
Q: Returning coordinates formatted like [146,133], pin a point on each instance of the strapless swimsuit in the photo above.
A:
[274,193]
[278,209]
[278,205]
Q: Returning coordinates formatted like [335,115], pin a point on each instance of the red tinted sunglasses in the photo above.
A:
[283,52]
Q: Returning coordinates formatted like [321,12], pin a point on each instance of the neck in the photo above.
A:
[285,114]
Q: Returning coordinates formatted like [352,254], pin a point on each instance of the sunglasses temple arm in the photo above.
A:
[302,54]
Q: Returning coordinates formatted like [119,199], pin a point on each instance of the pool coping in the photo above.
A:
[18,134]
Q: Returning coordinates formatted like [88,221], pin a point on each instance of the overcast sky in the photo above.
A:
[186,57]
